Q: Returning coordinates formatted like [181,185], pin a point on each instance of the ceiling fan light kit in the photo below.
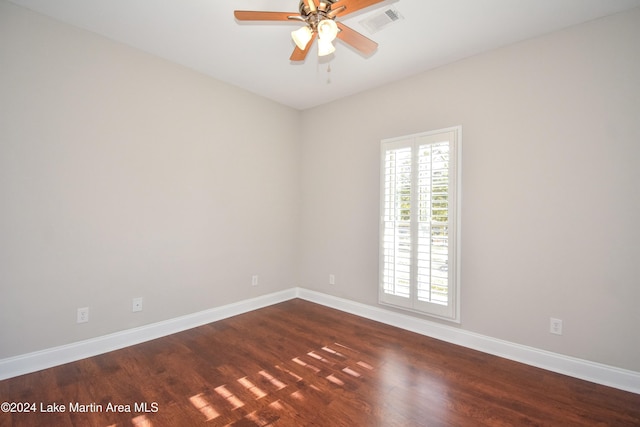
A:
[319,19]
[302,37]
[325,47]
[327,32]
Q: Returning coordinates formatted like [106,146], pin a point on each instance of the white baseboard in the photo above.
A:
[36,361]
[578,368]
[574,367]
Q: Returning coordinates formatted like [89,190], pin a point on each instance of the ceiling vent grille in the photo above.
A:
[381,20]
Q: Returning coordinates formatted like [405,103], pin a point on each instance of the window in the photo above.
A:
[419,222]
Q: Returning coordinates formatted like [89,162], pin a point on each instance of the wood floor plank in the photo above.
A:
[302,364]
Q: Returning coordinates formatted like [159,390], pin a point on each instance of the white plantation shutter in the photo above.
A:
[419,248]
[396,233]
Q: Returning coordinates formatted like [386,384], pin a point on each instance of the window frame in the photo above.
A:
[450,311]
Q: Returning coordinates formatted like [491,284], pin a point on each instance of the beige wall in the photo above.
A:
[121,176]
[550,187]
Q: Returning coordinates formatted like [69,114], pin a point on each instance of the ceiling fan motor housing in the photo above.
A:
[313,16]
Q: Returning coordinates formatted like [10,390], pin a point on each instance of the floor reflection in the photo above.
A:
[402,387]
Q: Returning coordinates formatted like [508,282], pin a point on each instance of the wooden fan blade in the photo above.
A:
[250,15]
[299,54]
[353,5]
[357,40]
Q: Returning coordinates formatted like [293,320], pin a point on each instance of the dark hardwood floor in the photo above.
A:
[301,364]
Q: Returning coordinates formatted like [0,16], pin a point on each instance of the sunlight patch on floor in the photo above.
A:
[257,419]
[229,397]
[318,357]
[297,377]
[351,372]
[298,395]
[141,421]
[279,385]
[203,405]
[334,364]
[277,405]
[255,390]
[333,352]
[365,365]
[335,380]
[306,365]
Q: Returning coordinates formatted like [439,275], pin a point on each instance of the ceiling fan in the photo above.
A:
[319,19]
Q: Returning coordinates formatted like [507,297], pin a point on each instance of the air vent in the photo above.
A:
[381,20]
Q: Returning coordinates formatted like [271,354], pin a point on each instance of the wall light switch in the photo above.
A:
[137,304]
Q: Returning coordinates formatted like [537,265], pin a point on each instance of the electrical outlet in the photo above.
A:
[332,279]
[555,326]
[83,315]
[254,280]
[136,304]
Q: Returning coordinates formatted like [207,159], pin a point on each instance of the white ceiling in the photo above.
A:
[204,35]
